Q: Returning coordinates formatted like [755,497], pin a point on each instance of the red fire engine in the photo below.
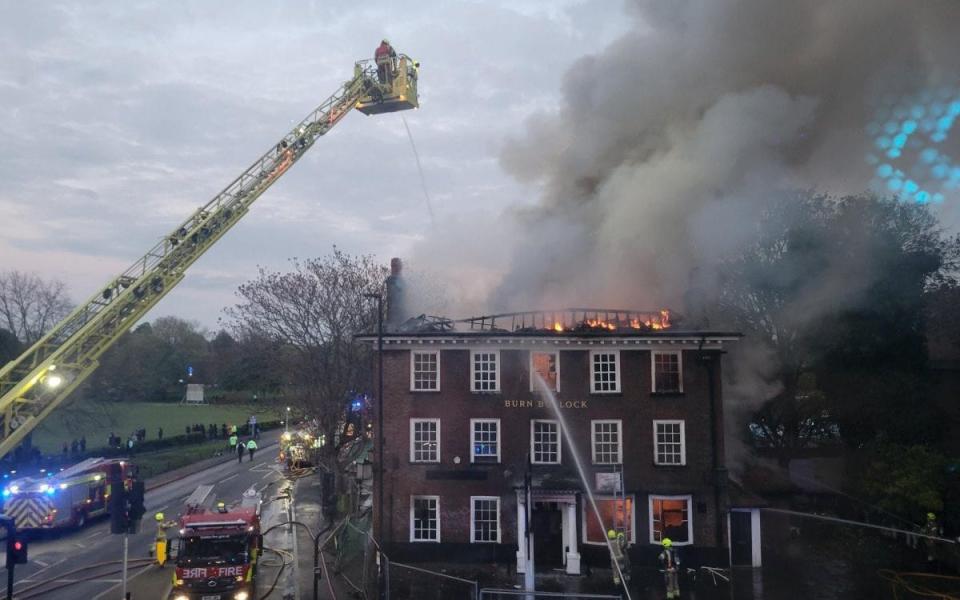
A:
[65,499]
[217,554]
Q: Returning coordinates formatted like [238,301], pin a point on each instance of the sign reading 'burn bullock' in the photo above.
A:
[541,403]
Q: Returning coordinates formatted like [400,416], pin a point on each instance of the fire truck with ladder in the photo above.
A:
[36,382]
[217,551]
[66,499]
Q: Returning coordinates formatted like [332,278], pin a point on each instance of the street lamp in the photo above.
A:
[286,423]
[379,471]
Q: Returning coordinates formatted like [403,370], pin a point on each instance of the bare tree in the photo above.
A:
[30,306]
[313,313]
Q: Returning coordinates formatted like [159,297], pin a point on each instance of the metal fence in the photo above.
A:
[492,594]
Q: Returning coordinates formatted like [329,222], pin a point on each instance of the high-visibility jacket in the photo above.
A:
[233,440]
[251,445]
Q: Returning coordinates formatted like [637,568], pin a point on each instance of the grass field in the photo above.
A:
[154,463]
[96,420]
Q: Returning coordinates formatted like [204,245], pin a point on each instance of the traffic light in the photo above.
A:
[119,523]
[16,550]
[135,507]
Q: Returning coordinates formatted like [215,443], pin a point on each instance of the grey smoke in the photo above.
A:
[667,144]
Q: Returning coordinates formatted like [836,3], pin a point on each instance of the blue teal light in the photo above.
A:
[883,142]
[900,140]
[884,171]
[940,171]
[937,198]
[922,197]
[917,111]
[908,127]
[893,153]
[929,155]
[910,186]
[894,185]
[891,127]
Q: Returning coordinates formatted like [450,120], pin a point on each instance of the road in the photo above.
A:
[69,556]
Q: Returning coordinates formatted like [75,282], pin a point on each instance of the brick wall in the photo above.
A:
[515,406]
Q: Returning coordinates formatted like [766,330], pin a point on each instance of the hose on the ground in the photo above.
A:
[899,580]
[283,555]
[139,562]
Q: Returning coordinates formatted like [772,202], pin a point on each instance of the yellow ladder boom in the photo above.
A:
[37,381]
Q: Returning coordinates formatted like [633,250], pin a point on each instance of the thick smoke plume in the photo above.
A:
[669,142]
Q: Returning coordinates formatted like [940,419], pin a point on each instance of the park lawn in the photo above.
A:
[96,420]
[154,463]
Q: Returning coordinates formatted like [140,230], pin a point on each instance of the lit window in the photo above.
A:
[545,442]
[546,365]
[606,442]
[670,517]
[667,372]
[425,440]
[486,440]
[485,371]
[485,523]
[669,447]
[605,372]
[615,514]
[425,519]
[425,371]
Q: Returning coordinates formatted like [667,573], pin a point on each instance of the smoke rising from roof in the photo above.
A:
[669,142]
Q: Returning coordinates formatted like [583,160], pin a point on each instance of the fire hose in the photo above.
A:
[25,593]
[899,580]
[284,555]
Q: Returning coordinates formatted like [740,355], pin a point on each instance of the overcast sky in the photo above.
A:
[120,118]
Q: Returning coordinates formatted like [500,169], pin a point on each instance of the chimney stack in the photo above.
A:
[396,297]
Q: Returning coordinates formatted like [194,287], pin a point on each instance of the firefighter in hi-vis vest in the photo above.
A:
[160,540]
[618,550]
[670,560]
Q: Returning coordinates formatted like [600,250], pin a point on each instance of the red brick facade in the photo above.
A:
[454,479]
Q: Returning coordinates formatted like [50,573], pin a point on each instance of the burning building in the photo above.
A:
[476,457]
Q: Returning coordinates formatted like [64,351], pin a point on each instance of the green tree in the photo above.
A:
[832,291]
[904,480]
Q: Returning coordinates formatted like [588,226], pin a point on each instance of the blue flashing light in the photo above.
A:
[6,492]
[954,108]
[50,490]
[929,155]
[894,185]
[937,198]
[884,171]
[890,127]
[910,186]
[909,127]
[922,197]
[893,153]
[938,136]
[945,123]
[940,171]
[900,140]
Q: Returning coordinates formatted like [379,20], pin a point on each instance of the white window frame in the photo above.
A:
[413,380]
[593,381]
[683,442]
[689,499]
[533,454]
[587,512]
[496,374]
[473,515]
[593,440]
[412,504]
[556,354]
[473,441]
[653,370]
[413,428]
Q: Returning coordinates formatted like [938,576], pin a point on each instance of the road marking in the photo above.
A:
[229,478]
[93,535]
[129,579]
[41,563]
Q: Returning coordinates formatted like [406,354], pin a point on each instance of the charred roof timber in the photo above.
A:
[568,320]
[574,320]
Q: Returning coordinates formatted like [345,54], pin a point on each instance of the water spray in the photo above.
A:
[568,438]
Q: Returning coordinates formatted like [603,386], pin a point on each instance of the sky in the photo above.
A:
[121,118]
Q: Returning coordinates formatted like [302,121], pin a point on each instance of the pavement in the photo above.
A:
[86,562]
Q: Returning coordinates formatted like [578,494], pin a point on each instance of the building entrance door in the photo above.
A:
[741,534]
[547,521]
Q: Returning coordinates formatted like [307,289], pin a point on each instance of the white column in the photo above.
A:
[570,538]
[755,538]
[521,530]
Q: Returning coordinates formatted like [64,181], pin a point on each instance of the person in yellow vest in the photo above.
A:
[233,440]
[160,539]
[618,549]
[251,448]
[670,561]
